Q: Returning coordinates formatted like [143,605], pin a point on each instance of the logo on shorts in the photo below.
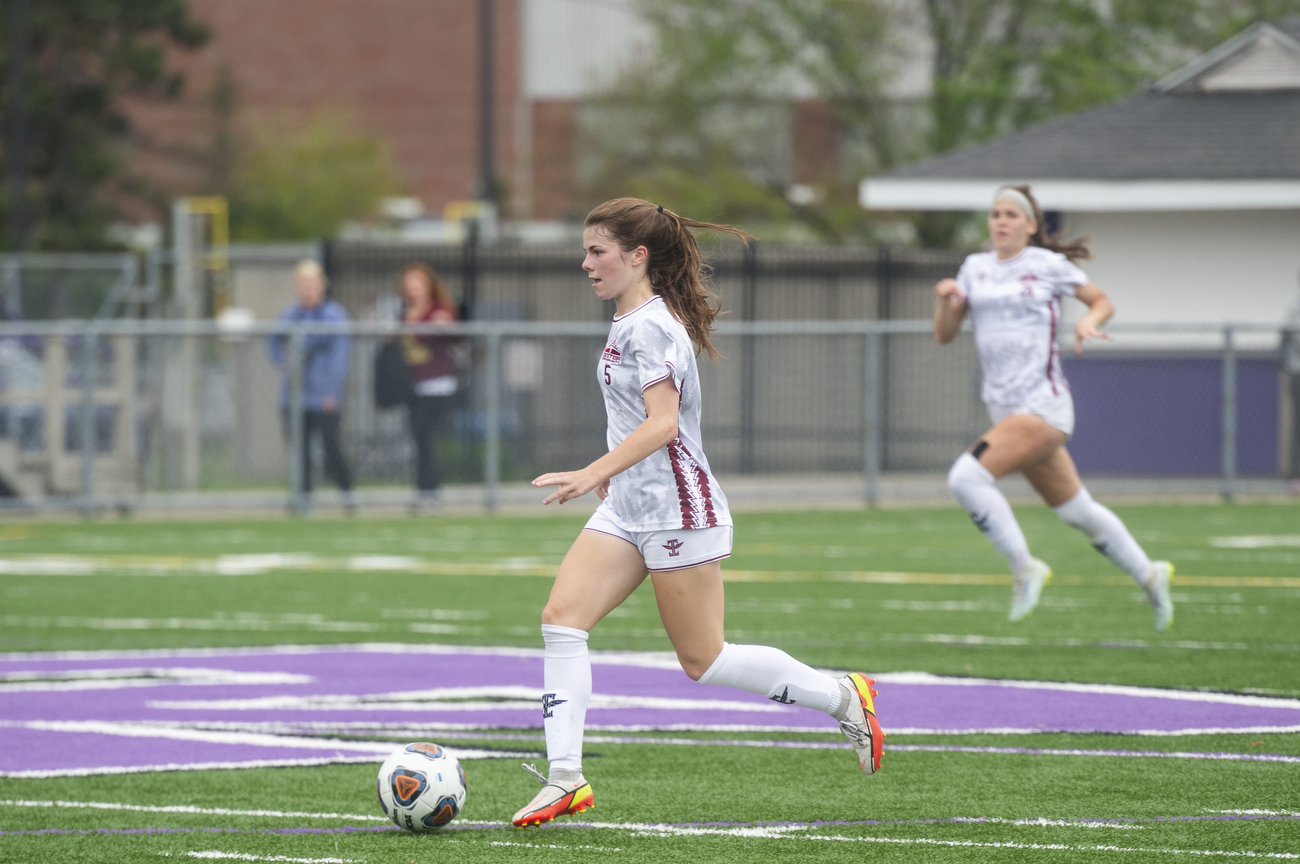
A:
[612,355]
[549,702]
[674,547]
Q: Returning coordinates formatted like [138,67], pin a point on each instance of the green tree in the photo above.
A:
[698,121]
[83,57]
[309,181]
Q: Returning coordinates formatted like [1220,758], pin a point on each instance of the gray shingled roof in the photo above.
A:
[1198,136]
[1289,26]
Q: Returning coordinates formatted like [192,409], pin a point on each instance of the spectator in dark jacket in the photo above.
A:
[324,374]
[426,300]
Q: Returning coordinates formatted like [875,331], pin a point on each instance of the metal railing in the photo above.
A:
[121,398]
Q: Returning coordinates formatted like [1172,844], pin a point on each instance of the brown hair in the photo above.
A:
[438,292]
[1076,249]
[675,268]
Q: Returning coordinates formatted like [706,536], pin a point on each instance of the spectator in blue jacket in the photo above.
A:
[325,370]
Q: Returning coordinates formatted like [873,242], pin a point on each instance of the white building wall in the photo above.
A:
[573,47]
[1194,266]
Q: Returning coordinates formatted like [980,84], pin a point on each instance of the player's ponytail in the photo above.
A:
[1076,249]
[676,269]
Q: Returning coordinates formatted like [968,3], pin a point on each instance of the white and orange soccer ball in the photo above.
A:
[421,787]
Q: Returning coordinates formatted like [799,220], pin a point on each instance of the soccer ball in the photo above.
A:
[421,787]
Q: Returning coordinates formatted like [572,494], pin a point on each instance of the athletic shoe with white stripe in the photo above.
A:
[860,725]
[1157,588]
[1028,588]
[557,798]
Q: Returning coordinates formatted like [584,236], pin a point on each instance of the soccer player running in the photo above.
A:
[1013,295]
[662,511]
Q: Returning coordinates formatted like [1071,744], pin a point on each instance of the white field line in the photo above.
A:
[926,678]
[666,660]
[1143,754]
[550,846]
[925,841]
[506,698]
[1256,541]
[185,808]
[244,856]
[116,679]
[253,739]
[192,766]
[342,727]
[794,832]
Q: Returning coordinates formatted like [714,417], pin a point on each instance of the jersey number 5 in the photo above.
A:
[607,379]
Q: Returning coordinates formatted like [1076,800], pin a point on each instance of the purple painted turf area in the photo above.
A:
[60,713]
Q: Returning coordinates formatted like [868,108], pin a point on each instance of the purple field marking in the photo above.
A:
[358,679]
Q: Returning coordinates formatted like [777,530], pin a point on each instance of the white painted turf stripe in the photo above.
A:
[185,808]
[793,832]
[1102,689]
[659,660]
[765,832]
[926,841]
[188,766]
[244,856]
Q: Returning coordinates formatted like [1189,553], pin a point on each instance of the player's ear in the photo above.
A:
[640,255]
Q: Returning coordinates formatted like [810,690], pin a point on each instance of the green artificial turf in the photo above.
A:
[1229,634]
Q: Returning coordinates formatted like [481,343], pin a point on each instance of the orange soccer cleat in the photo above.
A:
[557,798]
[861,727]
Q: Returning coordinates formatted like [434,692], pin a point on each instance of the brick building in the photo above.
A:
[406,69]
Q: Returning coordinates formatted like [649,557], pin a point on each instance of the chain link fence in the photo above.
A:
[129,413]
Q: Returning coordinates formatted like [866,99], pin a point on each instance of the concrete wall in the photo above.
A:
[1208,266]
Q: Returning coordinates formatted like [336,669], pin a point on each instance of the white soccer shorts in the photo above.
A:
[1057,410]
[666,550]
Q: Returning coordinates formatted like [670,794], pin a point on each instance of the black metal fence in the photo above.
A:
[757,423]
[546,283]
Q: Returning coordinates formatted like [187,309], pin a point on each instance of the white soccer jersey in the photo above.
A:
[673,487]
[1014,307]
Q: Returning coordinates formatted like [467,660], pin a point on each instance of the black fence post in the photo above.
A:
[469,271]
[748,382]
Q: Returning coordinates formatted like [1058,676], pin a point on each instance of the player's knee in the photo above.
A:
[696,663]
[694,669]
[554,613]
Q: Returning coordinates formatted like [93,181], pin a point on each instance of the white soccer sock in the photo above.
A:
[977,491]
[775,674]
[567,682]
[1107,533]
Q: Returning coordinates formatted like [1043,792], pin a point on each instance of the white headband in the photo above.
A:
[1021,199]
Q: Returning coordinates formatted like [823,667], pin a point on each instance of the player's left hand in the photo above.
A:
[1085,331]
[572,484]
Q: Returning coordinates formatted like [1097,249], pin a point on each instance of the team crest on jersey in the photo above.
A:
[612,355]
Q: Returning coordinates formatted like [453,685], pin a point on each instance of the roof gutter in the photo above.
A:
[941,194]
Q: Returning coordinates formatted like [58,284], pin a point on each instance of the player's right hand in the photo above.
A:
[949,289]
